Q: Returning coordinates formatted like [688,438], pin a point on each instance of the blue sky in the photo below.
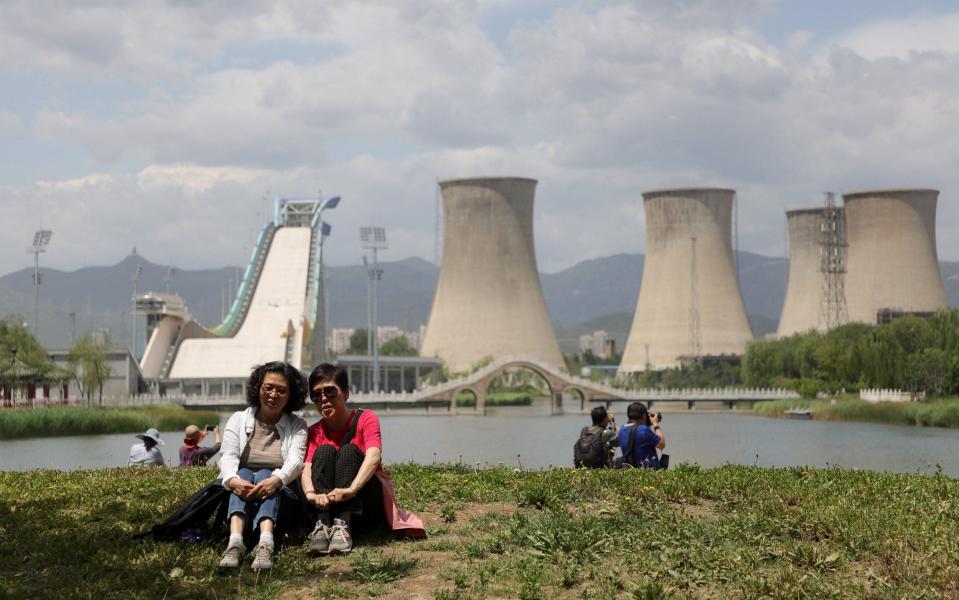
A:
[162,125]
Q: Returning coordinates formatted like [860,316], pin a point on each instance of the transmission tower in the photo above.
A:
[832,265]
[695,322]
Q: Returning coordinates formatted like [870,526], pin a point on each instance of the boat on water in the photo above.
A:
[799,413]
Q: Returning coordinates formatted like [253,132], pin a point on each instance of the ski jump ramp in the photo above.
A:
[271,319]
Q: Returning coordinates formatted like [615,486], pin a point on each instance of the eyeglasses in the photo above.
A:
[328,391]
[270,388]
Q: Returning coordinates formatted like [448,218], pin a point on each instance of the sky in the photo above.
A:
[169,126]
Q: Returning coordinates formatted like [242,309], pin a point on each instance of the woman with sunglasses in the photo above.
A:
[343,478]
[261,454]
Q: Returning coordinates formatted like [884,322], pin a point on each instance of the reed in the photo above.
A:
[76,420]
[942,412]
[497,399]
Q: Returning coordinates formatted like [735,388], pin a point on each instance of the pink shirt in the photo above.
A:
[367,434]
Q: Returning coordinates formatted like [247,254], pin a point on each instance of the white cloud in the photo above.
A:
[903,37]
[598,101]
[10,122]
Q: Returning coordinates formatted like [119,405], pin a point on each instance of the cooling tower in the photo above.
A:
[892,260]
[804,290]
[488,298]
[689,301]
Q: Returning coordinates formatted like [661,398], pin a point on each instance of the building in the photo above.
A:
[489,301]
[892,258]
[689,301]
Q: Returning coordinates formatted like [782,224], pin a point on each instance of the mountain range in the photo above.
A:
[593,294]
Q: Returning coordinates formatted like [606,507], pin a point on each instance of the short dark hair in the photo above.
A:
[637,412]
[599,415]
[294,379]
[328,372]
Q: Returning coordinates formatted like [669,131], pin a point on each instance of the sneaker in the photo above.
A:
[232,556]
[341,541]
[262,557]
[319,540]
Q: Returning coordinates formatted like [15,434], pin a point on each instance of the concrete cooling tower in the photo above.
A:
[488,298]
[801,309]
[892,260]
[689,301]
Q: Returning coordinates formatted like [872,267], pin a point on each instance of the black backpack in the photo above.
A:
[590,450]
[191,521]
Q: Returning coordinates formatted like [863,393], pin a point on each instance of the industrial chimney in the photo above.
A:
[489,301]
[892,259]
[689,302]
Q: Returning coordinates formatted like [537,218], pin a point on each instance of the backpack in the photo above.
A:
[590,449]
[191,520]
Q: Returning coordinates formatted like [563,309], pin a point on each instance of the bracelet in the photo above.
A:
[656,428]
[309,492]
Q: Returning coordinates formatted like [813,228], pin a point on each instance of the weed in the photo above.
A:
[368,569]
[448,513]
[649,591]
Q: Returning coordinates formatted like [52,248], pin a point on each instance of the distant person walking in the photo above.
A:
[191,454]
[146,452]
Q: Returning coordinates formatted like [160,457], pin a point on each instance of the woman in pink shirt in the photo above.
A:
[343,478]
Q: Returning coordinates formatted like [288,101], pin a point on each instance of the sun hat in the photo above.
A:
[153,434]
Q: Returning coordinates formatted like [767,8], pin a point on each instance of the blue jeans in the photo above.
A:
[266,509]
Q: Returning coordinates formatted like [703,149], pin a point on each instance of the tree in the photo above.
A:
[358,342]
[87,361]
[398,346]
[15,338]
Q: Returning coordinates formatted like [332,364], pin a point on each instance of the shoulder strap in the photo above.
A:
[630,443]
[352,430]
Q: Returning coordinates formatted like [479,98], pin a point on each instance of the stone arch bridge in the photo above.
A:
[559,383]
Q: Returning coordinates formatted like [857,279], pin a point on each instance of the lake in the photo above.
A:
[530,438]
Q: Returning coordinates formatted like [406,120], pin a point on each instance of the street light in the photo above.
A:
[373,238]
[41,239]
[136,280]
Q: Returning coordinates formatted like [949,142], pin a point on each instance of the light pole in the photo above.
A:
[318,350]
[136,280]
[374,238]
[41,240]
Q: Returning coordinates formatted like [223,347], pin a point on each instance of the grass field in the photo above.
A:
[936,413]
[732,532]
[76,420]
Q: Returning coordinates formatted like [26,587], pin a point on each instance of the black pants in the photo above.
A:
[334,468]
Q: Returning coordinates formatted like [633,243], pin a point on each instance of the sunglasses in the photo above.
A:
[327,391]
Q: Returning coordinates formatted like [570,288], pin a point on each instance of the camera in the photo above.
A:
[209,427]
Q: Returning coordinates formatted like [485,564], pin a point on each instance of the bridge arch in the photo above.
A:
[554,385]
[557,382]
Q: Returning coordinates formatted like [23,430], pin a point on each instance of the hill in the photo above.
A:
[593,294]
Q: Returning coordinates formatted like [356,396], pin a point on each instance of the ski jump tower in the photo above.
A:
[489,301]
[278,304]
[892,259]
[689,302]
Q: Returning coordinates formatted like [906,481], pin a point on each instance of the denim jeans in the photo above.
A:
[266,509]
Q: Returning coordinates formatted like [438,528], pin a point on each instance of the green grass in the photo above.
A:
[77,420]
[497,399]
[936,413]
[732,532]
